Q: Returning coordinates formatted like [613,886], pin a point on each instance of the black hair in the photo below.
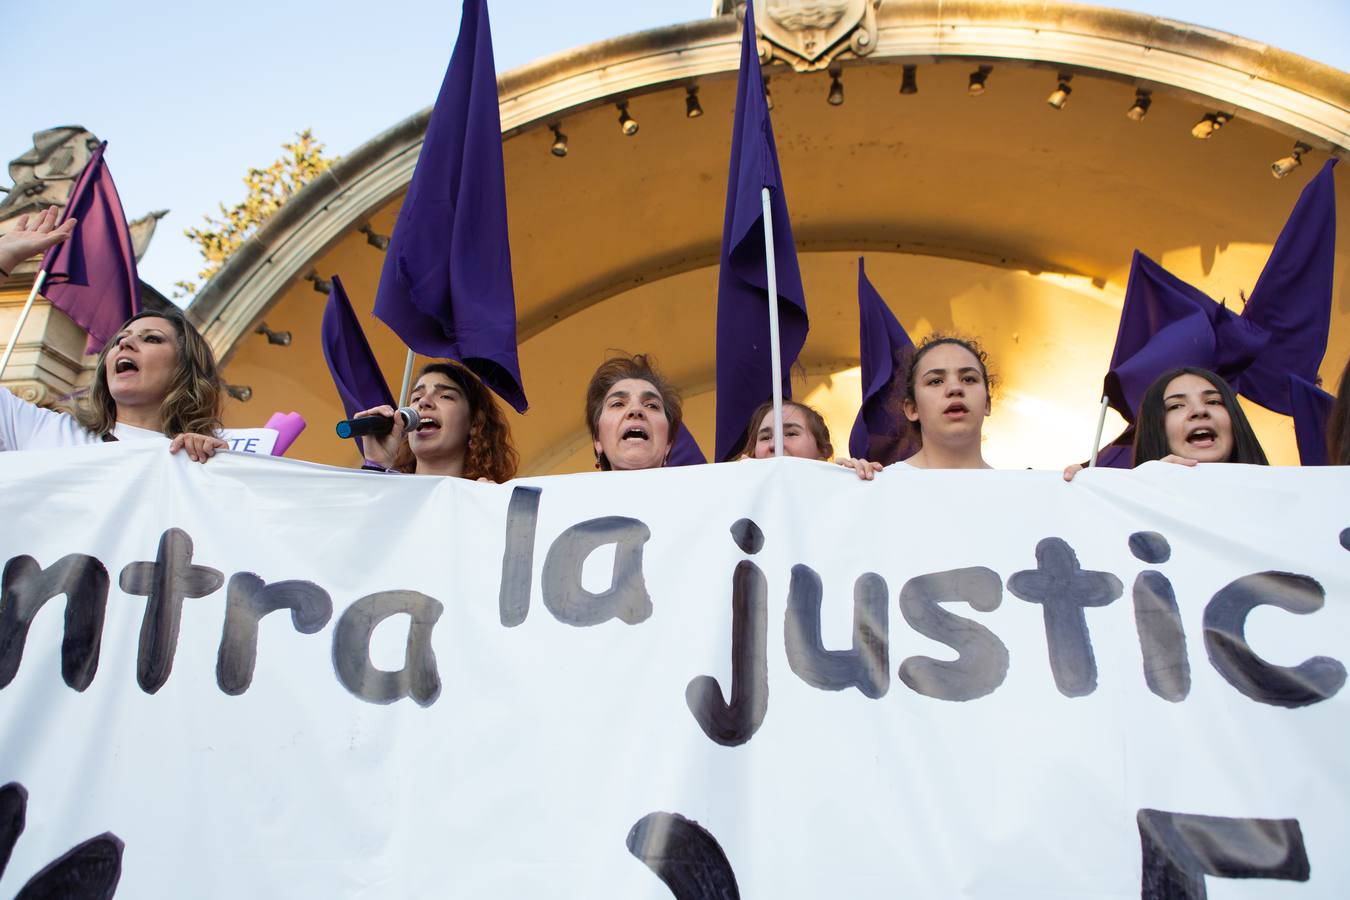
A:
[1150,436]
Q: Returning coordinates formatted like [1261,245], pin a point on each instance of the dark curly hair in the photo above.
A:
[1150,435]
[488,452]
[192,404]
[616,369]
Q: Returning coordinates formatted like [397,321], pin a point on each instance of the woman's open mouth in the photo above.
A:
[1202,437]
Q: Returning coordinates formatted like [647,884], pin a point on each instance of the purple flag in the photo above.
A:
[1292,298]
[1166,323]
[92,275]
[881,432]
[1311,408]
[357,375]
[686,451]
[1119,454]
[744,370]
[446,287]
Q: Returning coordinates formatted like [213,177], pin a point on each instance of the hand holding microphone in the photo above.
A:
[379,422]
[383,428]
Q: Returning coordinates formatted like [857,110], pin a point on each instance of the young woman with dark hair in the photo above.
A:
[633,412]
[1190,416]
[947,388]
[805,436]
[463,432]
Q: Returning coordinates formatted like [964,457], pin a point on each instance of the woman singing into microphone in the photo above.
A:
[462,433]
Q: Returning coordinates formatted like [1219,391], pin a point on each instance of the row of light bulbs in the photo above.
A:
[978,84]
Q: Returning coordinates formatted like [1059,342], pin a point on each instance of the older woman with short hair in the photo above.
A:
[633,412]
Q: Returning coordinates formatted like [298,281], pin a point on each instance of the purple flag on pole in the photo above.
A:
[881,432]
[1119,454]
[686,451]
[744,370]
[1311,409]
[92,275]
[446,288]
[1166,323]
[1292,298]
[357,375]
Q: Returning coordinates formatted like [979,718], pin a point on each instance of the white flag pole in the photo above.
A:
[23,317]
[775,354]
[1097,441]
[407,380]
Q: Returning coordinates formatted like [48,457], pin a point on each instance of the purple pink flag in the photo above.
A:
[92,275]
[446,288]
[744,370]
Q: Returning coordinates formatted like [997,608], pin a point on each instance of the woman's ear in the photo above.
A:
[910,410]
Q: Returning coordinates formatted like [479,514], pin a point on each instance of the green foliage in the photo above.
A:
[268,189]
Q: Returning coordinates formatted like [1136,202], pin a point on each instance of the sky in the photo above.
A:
[190,95]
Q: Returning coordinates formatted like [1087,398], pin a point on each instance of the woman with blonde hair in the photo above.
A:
[156,378]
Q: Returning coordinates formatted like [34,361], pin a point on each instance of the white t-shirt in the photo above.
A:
[24,426]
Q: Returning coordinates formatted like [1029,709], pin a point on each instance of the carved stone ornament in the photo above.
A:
[810,34]
[44,175]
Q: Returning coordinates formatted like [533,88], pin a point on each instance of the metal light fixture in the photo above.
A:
[1143,99]
[627,123]
[909,83]
[1060,95]
[374,238]
[1282,167]
[277,338]
[1210,123]
[836,96]
[692,109]
[977,80]
[559,148]
[241,392]
[323,287]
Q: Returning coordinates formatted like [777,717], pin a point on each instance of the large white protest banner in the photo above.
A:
[260,677]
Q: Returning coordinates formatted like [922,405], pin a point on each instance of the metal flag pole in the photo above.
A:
[775,354]
[407,379]
[23,317]
[1097,441]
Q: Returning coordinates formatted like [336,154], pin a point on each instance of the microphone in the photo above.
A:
[378,425]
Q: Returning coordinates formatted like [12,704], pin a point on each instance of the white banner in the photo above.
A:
[261,677]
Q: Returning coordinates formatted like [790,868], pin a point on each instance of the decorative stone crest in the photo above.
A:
[44,175]
[810,34]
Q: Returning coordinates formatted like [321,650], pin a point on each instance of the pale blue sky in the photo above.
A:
[189,95]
